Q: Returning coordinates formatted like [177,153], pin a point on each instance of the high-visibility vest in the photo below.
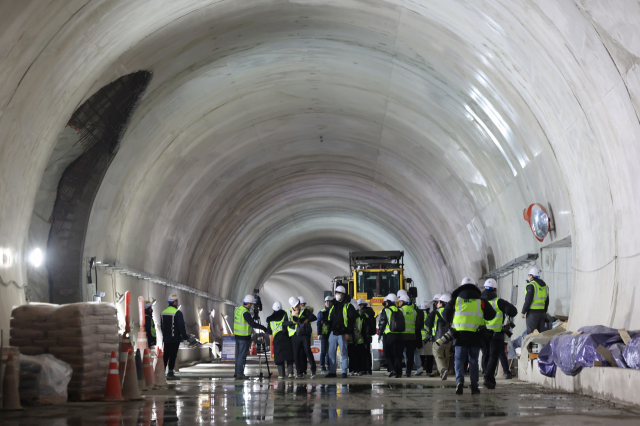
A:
[424,334]
[169,312]
[324,329]
[388,312]
[292,328]
[359,323]
[240,326]
[149,318]
[345,318]
[540,296]
[435,321]
[496,323]
[468,315]
[409,319]
[276,326]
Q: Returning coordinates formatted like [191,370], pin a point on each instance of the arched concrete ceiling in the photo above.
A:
[278,135]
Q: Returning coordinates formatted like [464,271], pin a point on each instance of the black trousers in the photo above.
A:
[170,354]
[302,353]
[496,352]
[410,347]
[536,321]
[393,352]
[366,356]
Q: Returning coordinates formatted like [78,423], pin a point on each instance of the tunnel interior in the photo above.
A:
[277,136]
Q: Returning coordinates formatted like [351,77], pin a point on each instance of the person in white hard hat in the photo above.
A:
[243,325]
[303,302]
[173,332]
[303,356]
[342,319]
[393,347]
[494,340]
[149,324]
[426,351]
[437,327]
[282,347]
[435,301]
[368,331]
[323,333]
[467,312]
[536,302]
[409,334]
[302,319]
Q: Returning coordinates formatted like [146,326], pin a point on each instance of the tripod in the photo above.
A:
[260,342]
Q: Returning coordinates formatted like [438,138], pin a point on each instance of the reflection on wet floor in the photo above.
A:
[375,400]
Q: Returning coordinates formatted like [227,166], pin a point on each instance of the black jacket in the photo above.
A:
[179,331]
[148,322]
[468,338]
[282,346]
[528,299]
[336,321]
[507,308]
[306,314]
[434,319]
[383,320]
[371,314]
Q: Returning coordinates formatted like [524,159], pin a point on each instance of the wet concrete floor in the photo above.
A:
[208,394]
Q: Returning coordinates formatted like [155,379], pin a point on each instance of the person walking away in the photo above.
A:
[243,325]
[149,324]
[277,326]
[323,333]
[536,302]
[302,319]
[409,334]
[342,318]
[385,304]
[394,346]
[439,327]
[368,331]
[425,352]
[496,344]
[466,312]
[173,332]
[355,346]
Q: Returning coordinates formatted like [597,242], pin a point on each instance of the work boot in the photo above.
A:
[444,373]
[242,377]
[344,375]
[171,375]
[330,376]
[508,376]
[475,390]
[488,384]
[459,388]
[419,371]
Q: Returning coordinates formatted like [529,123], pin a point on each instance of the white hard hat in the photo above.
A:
[328,299]
[148,304]
[340,289]
[436,298]
[467,280]
[424,306]
[248,299]
[534,271]
[405,298]
[445,298]
[362,302]
[172,298]
[401,292]
[277,306]
[490,283]
[301,299]
[294,301]
[392,298]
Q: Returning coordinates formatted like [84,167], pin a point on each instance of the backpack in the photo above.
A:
[396,322]
[304,329]
[369,324]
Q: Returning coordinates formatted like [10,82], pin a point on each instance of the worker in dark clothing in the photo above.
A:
[323,333]
[394,346]
[369,330]
[173,332]
[495,345]
[243,325]
[467,312]
[149,324]
[342,320]
[302,319]
[536,302]
[278,323]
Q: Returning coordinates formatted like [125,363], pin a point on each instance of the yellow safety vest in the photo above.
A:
[409,319]
[240,326]
[276,326]
[540,296]
[389,311]
[468,315]
[496,323]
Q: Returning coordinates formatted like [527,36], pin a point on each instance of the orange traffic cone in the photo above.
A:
[147,412]
[113,391]
[149,378]
[142,385]
[130,388]
[254,351]
[159,406]
[10,395]
[114,414]
[161,379]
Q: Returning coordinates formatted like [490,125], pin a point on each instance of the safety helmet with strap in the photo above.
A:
[468,315]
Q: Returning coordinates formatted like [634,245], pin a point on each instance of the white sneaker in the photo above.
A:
[313,375]
[419,371]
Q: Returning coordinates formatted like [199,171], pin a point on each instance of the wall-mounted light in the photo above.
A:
[153,301]
[119,297]
[179,306]
[200,311]
[36,257]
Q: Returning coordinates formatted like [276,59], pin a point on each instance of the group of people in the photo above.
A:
[468,320]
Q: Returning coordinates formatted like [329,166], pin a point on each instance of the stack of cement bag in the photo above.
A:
[80,334]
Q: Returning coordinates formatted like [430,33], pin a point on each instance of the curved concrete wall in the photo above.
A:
[274,127]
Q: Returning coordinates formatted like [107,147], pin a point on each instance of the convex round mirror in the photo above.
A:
[538,219]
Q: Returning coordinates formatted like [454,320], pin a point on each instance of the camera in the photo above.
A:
[446,338]
[508,328]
